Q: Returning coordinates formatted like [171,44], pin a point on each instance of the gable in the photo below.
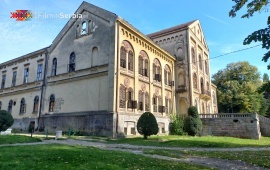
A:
[197,31]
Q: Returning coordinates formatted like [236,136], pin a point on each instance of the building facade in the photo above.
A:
[100,74]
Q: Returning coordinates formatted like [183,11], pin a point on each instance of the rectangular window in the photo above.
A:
[13,83]
[26,73]
[3,81]
[39,72]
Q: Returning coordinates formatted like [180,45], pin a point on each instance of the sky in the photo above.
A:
[223,34]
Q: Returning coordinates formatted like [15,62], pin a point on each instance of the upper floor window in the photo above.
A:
[84,28]
[22,106]
[51,103]
[202,86]
[36,101]
[71,66]
[10,103]
[214,98]
[130,97]
[13,83]
[157,70]
[167,76]
[206,67]
[39,72]
[26,74]
[147,103]
[143,64]
[193,56]
[141,103]
[54,66]
[3,81]
[123,57]
[130,60]
[195,81]
[200,62]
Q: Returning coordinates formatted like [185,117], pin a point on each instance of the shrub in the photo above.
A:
[177,124]
[6,120]
[193,123]
[147,125]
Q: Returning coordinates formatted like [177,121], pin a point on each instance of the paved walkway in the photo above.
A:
[209,162]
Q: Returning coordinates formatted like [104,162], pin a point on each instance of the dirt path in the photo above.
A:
[208,162]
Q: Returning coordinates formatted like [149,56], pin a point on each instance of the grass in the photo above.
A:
[10,139]
[188,141]
[80,157]
[260,158]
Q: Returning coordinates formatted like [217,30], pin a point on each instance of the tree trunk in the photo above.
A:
[145,137]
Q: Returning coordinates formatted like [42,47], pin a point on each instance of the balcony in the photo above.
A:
[205,94]
[181,89]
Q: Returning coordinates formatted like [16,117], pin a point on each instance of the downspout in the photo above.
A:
[190,74]
[44,83]
[117,77]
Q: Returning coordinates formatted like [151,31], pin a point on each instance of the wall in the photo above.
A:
[264,125]
[234,125]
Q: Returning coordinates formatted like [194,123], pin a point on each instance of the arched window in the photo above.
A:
[156,70]
[195,86]
[160,105]
[167,76]
[10,103]
[141,103]
[0,105]
[51,103]
[84,28]
[193,56]
[130,60]
[166,105]
[141,65]
[22,106]
[54,66]
[214,98]
[36,102]
[146,98]
[122,97]
[72,59]
[123,57]
[130,97]
[146,67]
[202,86]
[155,103]
[206,67]
[200,61]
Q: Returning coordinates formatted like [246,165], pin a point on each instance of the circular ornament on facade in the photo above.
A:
[156,92]
[143,87]
[127,82]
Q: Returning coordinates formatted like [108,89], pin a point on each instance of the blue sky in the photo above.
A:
[223,34]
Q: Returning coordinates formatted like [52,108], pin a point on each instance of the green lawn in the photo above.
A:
[260,158]
[79,157]
[10,139]
[188,141]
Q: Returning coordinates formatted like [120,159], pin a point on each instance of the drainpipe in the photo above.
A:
[44,83]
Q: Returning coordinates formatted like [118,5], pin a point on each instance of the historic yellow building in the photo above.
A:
[100,74]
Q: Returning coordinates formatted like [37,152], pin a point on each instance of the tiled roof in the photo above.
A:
[178,27]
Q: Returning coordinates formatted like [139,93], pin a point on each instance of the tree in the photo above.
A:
[193,123]
[147,125]
[237,89]
[261,35]
[265,78]
[6,120]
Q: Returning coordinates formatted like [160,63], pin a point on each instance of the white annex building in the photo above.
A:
[100,74]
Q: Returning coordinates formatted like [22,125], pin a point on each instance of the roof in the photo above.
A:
[172,29]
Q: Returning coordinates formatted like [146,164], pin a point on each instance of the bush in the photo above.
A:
[177,125]
[6,120]
[147,125]
[193,123]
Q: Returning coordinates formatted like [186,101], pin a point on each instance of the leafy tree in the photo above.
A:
[261,35]
[6,120]
[237,89]
[265,78]
[177,124]
[193,123]
[147,125]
